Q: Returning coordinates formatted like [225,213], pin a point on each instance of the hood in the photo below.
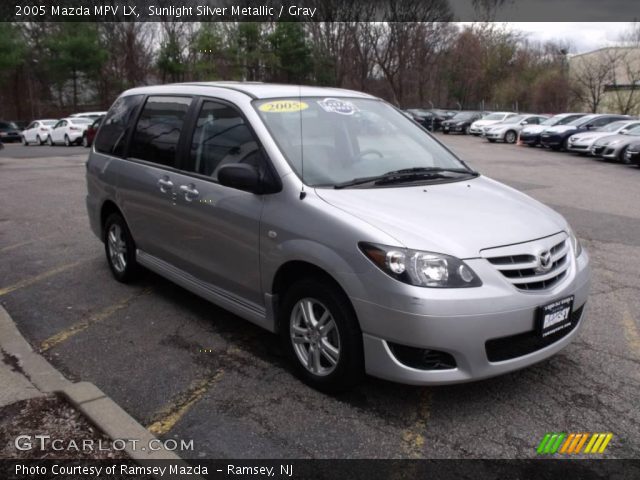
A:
[625,139]
[591,135]
[458,218]
[560,129]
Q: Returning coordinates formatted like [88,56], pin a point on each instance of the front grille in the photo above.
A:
[522,270]
[422,358]
[513,346]
[596,150]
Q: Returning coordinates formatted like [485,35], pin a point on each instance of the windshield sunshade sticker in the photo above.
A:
[334,105]
[283,106]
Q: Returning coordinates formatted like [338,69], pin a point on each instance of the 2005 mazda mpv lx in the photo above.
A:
[327,216]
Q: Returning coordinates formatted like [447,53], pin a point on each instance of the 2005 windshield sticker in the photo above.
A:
[283,106]
[334,105]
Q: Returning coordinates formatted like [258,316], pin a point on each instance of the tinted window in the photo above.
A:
[156,135]
[220,137]
[113,133]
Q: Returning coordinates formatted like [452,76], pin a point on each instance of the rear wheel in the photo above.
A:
[510,137]
[120,249]
[321,335]
[492,140]
[24,141]
[67,142]
[85,141]
[39,141]
[467,130]
[49,141]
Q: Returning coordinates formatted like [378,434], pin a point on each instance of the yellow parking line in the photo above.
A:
[67,333]
[171,414]
[14,246]
[30,281]
[413,437]
[631,332]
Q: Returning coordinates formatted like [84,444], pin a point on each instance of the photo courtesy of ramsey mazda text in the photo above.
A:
[330,218]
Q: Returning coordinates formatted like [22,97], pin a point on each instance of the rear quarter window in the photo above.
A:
[117,123]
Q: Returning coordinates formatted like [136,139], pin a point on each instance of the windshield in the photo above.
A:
[515,119]
[49,123]
[582,120]
[634,131]
[81,120]
[494,116]
[559,120]
[612,127]
[462,116]
[329,141]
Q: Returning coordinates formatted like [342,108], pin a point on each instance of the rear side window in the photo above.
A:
[112,137]
[220,137]
[155,138]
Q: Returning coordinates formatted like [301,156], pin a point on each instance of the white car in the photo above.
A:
[583,141]
[68,131]
[509,130]
[37,131]
[91,115]
[491,119]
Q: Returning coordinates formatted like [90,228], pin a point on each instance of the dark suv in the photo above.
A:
[9,132]
[557,137]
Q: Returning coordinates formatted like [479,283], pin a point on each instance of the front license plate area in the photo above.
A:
[554,317]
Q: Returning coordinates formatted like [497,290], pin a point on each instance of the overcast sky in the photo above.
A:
[584,36]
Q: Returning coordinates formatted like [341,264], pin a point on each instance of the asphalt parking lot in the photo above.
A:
[190,370]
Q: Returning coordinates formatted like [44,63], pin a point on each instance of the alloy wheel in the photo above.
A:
[314,336]
[117,248]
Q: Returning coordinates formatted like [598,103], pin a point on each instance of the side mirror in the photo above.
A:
[241,176]
[589,127]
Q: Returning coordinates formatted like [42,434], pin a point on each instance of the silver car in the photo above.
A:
[509,130]
[328,217]
[614,147]
[582,142]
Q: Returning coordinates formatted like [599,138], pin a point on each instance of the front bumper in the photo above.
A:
[632,156]
[460,322]
[580,147]
[475,130]
[551,140]
[453,128]
[493,135]
[530,139]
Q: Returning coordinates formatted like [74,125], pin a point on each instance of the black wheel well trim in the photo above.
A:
[294,270]
[108,207]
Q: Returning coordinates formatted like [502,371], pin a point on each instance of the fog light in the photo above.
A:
[465,273]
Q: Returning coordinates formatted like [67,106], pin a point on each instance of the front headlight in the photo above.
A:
[613,142]
[422,269]
[577,247]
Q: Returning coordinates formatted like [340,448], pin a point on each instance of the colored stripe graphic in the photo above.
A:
[572,443]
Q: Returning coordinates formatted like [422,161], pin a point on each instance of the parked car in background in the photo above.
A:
[68,131]
[90,133]
[582,142]
[614,147]
[460,122]
[509,130]
[530,135]
[37,131]
[557,137]
[92,115]
[633,153]
[487,120]
[9,132]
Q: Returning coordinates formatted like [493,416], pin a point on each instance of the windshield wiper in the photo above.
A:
[406,174]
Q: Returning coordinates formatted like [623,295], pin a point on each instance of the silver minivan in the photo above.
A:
[328,217]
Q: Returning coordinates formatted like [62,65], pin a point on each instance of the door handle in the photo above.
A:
[189,192]
[165,184]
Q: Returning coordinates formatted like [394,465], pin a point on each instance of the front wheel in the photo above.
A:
[24,141]
[321,335]
[622,156]
[467,130]
[120,249]
[510,137]
[39,141]
[85,141]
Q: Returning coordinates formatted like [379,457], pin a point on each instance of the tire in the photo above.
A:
[342,341]
[510,137]
[565,145]
[491,140]
[50,141]
[120,249]
[39,141]
[467,130]
[446,132]
[67,143]
[621,155]
[24,141]
[85,141]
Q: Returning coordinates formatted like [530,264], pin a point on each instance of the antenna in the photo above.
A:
[302,192]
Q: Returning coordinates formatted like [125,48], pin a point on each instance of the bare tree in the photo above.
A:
[590,75]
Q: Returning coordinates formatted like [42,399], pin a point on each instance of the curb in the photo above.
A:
[101,410]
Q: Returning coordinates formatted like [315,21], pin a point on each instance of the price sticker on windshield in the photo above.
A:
[283,106]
